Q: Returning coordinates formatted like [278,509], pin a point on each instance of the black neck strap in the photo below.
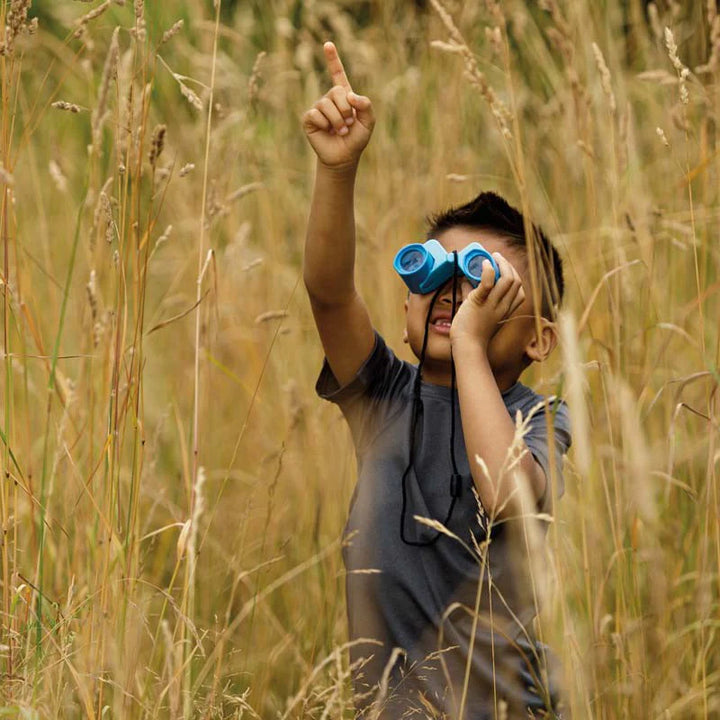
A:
[416,412]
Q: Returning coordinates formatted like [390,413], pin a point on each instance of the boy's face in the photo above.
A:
[507,348]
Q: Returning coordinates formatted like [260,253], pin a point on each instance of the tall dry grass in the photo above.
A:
[173,493]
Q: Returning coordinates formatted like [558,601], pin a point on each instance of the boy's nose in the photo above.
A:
[463,290]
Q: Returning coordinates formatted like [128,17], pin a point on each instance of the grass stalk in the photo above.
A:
[107,607]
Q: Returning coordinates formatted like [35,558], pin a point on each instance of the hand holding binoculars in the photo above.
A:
[426,267]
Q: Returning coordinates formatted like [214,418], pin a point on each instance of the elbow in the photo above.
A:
[314,288]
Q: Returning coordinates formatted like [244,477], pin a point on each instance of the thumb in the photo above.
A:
[363,109]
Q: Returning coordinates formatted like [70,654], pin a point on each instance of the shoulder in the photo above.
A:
[380,390]
[382,374]
[523,398]
[533,405]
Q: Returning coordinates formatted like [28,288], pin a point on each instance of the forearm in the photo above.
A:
[489,433]
[330,242]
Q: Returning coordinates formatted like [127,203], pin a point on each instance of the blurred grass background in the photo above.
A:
[173,492]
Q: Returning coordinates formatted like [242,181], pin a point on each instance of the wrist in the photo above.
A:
[342,172]
[468,342]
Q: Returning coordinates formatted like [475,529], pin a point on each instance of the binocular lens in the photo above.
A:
[411,260]
[474,266]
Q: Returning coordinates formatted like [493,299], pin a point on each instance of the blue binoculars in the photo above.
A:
[426,267]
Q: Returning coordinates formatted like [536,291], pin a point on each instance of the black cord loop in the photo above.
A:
[417,411]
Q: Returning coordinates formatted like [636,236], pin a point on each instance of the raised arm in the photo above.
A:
[338,127]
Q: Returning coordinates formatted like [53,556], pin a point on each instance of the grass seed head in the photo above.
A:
[171,32]
[682,71]
[494,38]
[57,175]
[140,31]
[16,22]
[605,78]
[67,106]
[672,50]
[182,540]
[97,321]
[109,74]
[89,17]
[255,78]
[6,177]
[163,238]
[157,144]
[107,217]
[472,71]
[190,95]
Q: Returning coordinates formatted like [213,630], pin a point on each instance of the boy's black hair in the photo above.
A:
[489,211]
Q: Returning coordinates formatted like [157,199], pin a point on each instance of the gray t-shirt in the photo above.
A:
[421,599]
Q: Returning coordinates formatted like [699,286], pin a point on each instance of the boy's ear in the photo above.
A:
[540,346]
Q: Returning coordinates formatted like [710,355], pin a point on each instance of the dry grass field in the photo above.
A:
[173,493]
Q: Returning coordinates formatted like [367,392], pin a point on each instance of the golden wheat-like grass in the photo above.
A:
[173,494]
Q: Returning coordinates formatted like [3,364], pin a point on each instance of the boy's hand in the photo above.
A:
[491,303]
[340,123]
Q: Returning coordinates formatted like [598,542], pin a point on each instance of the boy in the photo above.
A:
[440,624]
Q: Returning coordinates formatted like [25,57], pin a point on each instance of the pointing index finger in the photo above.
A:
[335,66]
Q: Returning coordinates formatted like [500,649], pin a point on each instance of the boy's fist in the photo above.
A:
[339,125]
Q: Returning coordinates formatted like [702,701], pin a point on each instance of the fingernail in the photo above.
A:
[343,131]
[349,121]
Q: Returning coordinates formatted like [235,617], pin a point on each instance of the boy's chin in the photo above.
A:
[437,351]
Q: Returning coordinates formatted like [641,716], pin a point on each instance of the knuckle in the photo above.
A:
[343,103]
[314,117]
[339,96]
[328,109]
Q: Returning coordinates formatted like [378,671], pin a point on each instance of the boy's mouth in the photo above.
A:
[441,324]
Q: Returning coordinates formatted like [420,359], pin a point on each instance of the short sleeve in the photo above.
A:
[371,395]
[536,440]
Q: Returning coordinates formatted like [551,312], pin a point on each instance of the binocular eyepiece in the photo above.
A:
[427,266]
